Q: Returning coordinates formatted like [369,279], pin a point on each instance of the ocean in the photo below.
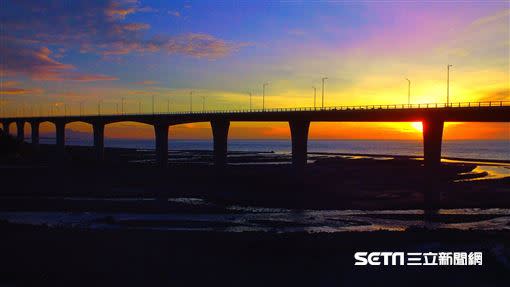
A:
[467,149]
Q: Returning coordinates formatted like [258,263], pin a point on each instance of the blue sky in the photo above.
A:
[56,53]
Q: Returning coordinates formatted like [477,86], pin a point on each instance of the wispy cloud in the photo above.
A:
[14,88]
[37,64]
[201,46]
[174,13]
[20,91]
[116,10]
[101,28]
[502,15]
[136,26]
[147,82]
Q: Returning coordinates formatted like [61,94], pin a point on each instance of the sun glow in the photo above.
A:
[417,126]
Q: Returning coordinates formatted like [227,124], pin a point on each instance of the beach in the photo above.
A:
[255,222]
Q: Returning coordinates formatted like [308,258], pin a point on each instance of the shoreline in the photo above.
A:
[329,183]
[312,153]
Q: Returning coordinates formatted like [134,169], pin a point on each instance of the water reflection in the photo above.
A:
[246,219]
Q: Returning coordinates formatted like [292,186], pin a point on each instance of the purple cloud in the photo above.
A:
[98,27]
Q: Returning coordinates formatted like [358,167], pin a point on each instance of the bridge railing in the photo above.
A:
[303,109]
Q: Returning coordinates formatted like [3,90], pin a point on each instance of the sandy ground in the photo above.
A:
[69,256]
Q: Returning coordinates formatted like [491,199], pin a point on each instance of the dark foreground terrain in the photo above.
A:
[42,182]
[68,257]
[76,256]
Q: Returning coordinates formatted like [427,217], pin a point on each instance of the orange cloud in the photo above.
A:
[91,78]
[146,83]
[136,26]
[19,91]
[497,95]
[116,11]
[37,64]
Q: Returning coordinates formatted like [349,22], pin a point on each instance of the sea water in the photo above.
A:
[468,149]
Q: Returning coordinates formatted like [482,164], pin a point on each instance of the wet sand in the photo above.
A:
[328,182]
[80,256]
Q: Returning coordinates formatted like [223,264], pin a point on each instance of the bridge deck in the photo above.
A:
[453,112]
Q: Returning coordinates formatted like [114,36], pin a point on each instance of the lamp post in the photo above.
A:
[122,106]
[152,104]
[448,84]
[203,103]
[408,92]
[314,98]
[323,79]
[191,101]
[250,100]
[264,96]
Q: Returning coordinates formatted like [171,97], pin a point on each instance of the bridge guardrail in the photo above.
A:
[300,109]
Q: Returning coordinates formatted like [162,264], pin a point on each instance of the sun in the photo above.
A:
[417,126]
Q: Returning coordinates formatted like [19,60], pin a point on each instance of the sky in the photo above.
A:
[72,56]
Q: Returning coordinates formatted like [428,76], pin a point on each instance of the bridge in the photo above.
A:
[433,116]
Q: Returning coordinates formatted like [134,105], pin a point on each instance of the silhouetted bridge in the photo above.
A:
[433,117]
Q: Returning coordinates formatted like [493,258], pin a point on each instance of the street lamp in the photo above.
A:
[314,97]
[448,84]
[250,100]
[191,101]
[408,91]
[323,79]
[264,96]
[203,103]
[152,104]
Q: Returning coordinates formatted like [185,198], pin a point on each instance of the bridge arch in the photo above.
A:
[11,128]
[47,132]
[79,133]
[129,134]
[252,133]
[260,136]
[198,136]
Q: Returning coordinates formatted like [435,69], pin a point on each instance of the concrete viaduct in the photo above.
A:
[433,117]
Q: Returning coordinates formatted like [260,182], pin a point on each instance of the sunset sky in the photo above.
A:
[56,53]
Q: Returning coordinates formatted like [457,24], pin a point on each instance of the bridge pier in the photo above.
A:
[220,138]
[99,140]
[161,131]
[20,127]
[432,139]
[35,133]
[299,135]
[60,128]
